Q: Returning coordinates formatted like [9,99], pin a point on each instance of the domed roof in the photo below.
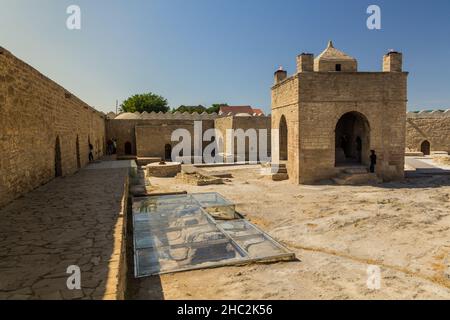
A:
[128,116]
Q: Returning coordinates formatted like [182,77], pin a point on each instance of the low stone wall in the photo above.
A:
[170,169]
[116,284]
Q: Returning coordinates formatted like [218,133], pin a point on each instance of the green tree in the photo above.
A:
[145,102]
[190,109]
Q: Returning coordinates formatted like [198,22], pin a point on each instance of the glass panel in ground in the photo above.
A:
[175,237]
[151,261]
[256,243]
[216,205]
[238,228]
[173,233]
[175,218]
[163,203]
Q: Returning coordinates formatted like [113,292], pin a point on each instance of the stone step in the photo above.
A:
[356,170]
[356,179]
[280,170]
[143,161]
[280,176]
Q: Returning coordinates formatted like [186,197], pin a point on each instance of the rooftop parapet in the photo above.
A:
[172,116]
[428,114]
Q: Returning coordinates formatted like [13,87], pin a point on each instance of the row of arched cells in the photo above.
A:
[128,150]
[58,157]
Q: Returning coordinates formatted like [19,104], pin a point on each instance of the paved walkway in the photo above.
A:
[75,220]
[424,168]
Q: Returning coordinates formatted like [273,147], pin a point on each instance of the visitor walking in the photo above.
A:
[109,147]
[114,141]
[91,155]
[373,161]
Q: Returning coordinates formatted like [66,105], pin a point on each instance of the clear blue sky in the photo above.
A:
[210,51]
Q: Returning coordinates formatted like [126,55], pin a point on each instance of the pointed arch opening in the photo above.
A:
[77,150]
[58,162]
[352,140]
[425,147]
[168,152]
[283,138]
[128,148]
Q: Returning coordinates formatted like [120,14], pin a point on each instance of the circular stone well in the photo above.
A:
[163,169]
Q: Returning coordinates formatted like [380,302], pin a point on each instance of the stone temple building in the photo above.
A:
[330,116]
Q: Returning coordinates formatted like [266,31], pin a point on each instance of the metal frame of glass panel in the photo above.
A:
[216,205]
[174,233]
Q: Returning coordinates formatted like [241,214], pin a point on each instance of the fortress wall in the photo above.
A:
[433,126]
[35,112]
[153,136]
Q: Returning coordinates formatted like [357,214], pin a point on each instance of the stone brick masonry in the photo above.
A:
[45,130]
[433,127]
[313,103]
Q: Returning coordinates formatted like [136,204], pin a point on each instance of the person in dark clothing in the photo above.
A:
[359,149]
[373,161]
[109,147]
[91,155]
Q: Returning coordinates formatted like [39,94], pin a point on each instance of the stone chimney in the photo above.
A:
[280,75]
[393,62]
[305,62]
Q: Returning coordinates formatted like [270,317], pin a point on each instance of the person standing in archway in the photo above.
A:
[359,149]
[91,155]
[373,161]
[114,141]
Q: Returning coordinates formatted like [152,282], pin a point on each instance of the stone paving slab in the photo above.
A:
[423,167]
[76,220]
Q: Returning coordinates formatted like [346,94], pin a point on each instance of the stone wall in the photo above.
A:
[325,97]
[45,130]
[123,131]
[149,136]
[153,136]
[285,105]
[245,123]
[433,127]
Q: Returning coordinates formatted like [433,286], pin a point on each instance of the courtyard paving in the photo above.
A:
[338,233]
[76,220]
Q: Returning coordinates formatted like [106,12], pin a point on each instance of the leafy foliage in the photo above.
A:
[200,109]
[145,102]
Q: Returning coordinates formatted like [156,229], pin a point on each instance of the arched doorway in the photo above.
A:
[425,147]
[283,138]
[352,139]
[168,152]
[128,148]
[77,147]
[58,163]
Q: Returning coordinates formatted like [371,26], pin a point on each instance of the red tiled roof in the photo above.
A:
[240,109]
[258,112]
